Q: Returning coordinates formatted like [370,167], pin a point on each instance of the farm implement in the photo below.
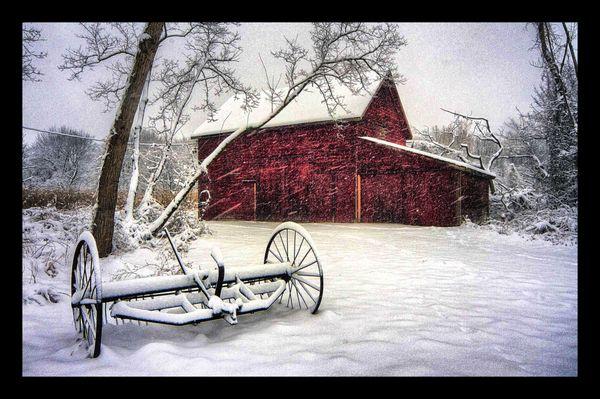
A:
[291,272]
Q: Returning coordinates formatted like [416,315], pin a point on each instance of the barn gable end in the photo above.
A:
[385,115]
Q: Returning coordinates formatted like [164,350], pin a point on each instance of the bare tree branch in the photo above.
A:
[31,37]
[353,54]
[569,45]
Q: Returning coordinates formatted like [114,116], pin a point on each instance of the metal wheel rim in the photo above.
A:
[87,318]
[305,286]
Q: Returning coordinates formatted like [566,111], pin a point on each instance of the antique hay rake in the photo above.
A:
[291,272]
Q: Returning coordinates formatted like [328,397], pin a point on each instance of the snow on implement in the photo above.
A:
[291,273]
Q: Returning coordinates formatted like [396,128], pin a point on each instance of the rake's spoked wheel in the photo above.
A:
[85,279]
[290,242]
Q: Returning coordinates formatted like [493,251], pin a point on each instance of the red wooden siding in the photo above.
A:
[310,173]
[385,117]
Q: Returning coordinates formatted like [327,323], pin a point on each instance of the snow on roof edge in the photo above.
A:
[428,154]
[357,113]
[275,125]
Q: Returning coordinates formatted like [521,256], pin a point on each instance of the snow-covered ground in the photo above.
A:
[399,300]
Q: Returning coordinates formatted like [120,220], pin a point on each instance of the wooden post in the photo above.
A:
[357,199]
[254,191]
[458,199]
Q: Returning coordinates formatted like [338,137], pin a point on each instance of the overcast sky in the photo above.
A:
[482,69]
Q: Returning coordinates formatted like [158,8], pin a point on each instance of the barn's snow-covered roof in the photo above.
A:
[308,107]
[453,162]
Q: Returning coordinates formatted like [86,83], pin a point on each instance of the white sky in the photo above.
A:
[479,68]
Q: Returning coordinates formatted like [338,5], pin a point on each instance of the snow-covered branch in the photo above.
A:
[211,49]
[353,54]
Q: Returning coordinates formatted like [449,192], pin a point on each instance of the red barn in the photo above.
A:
[306,166]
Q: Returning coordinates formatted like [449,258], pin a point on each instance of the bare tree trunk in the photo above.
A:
[561,132]
[147,198]
[175,126]
[135,174]
[548,56]
[104,211]
[570,45]
[135,170]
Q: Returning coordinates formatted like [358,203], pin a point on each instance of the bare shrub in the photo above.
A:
[71,199]
[56,197]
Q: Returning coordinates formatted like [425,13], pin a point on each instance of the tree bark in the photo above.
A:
[548,56]
[570,45]
[148,193]
[106,202]
[561,132]
[135,169]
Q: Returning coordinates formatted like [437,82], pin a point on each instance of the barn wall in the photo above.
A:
[309,173]
[402,187]
[291,175]
[475,203]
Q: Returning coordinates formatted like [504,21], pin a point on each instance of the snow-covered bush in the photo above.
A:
[67,159]
[59,198]
[529,215]
[184,226]
[48,235]
[41,294]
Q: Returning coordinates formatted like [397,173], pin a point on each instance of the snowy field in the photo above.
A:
[399,300]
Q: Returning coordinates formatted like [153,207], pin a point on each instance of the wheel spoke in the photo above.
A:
[297,294]
[294,251]
[284,246]
[84,267]
[79,274]
[307,291]
[289,294]
[305,266]
[298,253]
[85,271]
[93,280]
[305,255]
[307,274]
[87,284]
[287,244]
[310,284]
[275,255]
[278,251]
[87,317]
